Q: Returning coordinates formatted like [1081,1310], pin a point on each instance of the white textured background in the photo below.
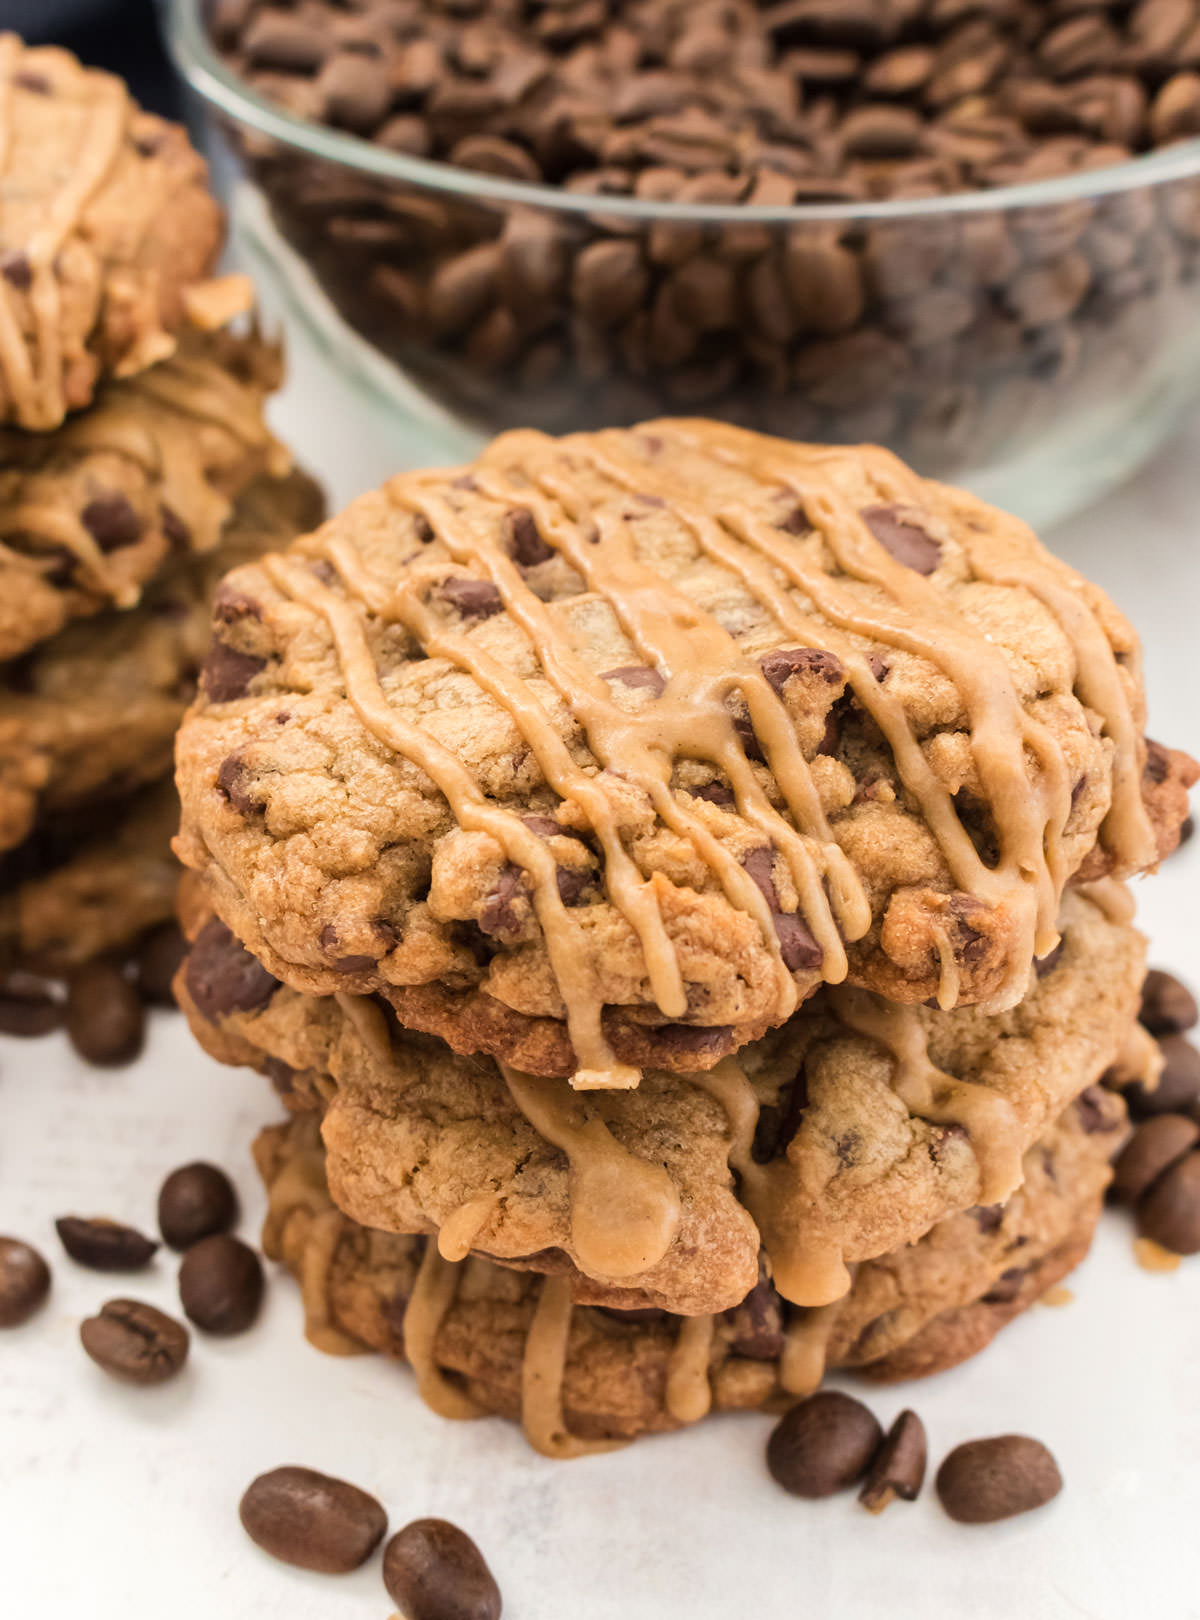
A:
[120,1504]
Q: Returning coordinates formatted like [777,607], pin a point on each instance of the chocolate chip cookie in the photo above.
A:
[106,222]
[92,713]
[92,512]
[840,1137]
[482,1338]
[604,752]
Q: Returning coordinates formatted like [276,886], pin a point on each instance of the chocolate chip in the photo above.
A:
[194,1202]
[311,1520]
[230,605]
[1168,1007]
[715,793]
[104,1245]
[903,538]
[898,1467]
[434,1571]
[1006,1286]
[105,1020]
[544,826]
[1158,762]
[135,1342]
[798,948]
[221,1284]
[784,662]
[989,1217]
[24,1281]
[1169,1212]
[757,1323]
[1096,1111]
[112,521]
[222,977]
[1178,1085]
[572,882]
[637,676]
[236,781]
[823,1444]
[472,598]
[1154,1147]
[38,83]
[226,673]
[16,269]
[159,957]
[1045,965]
[525,545]
[498,915]
[986,1480]
[29,1004]
[176,532]
[778,1122]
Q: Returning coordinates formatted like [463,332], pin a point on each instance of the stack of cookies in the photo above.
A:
[675,879]
[135,469]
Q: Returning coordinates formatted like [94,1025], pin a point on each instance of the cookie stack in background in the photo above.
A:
[675,877]
[135,468]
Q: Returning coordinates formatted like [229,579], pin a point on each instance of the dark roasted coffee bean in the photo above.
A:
[434,1571]
[104,1245]
[1169,1212]
[898,1467]
[221,1284]
[823,1445]
[135,1342]
[196,1201]
[159,957]
[312,1520]
[29,1004]
[1178,1085]
[1154,1147]
[1168,1007]
[986,1480]
[24,1281]
[105,1019]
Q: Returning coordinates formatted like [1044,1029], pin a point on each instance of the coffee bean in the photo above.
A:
[135,1341]
[898,1467]
[196,1201]
[986,1480]
[221,1284]
[104,1245]
[29,1004]
[823,1445]
[1178,1085]
[159,957]
[1156,1145]
[434,1571]
[1168,1007]
[24,1281]
[311,1520]
[105,1020]
[1169,1212]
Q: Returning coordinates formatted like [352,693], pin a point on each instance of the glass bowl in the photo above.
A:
[1035,342]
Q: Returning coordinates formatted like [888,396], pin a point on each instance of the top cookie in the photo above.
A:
[105,221]
[607,750]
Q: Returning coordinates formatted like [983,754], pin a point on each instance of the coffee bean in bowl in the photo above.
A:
[135,1342]
[982,1481]
[434,1571]
[221,1284]
[24,1281]
[312,1520]
[194,1202]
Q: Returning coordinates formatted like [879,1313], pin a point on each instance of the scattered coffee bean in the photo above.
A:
[822,1445]
[434,1571]
[312,1520]
[29,1004]
[105,1019]
[104,1245]
[1168,1006]
[898,1467]
[1154,1147]
[159,958]
[986,1480]
[1178,1085]
[134,1341]
[195,1201]
[24,1281]
[1169,1213]
[221,1284]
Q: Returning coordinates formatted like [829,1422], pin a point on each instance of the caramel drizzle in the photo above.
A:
[300,1194]
[542,1372]
[806,1348]
[432,1296]
[688,1391]
[625,1211]
[459,1231]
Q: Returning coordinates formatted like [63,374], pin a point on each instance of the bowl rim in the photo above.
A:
[200,65]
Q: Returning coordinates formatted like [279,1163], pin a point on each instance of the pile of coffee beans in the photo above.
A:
[954,338]
[102,1005]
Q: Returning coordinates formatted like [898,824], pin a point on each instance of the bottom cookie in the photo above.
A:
[483,1338]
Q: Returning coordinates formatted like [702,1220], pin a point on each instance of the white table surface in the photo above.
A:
[120,1504]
